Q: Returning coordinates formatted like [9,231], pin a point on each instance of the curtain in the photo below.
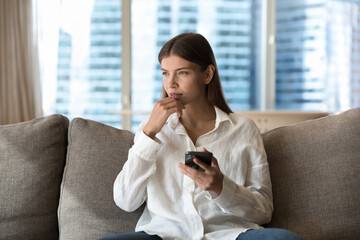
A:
[20,91]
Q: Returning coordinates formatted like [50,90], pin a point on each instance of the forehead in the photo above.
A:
[174,62]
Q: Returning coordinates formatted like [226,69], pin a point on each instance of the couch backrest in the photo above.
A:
[32,159]
[314,167]
[315,172]
[96,154]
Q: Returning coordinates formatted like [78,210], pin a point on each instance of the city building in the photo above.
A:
[317,54]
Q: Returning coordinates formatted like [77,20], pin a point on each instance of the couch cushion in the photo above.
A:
[315,168]
[32,158]
[96,155]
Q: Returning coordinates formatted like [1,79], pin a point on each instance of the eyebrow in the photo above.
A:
[182,68]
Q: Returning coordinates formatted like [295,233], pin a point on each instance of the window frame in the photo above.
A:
[126,63]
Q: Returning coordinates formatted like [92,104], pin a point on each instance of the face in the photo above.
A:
[183,80]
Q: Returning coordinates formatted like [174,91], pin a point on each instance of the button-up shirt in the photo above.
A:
[176,208]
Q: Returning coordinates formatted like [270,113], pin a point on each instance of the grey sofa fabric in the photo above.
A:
[32,159]
[315,171]
[96,154]
[314,167]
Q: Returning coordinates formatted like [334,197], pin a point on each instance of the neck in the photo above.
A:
[198,120]
[197,114]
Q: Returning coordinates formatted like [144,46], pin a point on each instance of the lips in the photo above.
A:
[175,95]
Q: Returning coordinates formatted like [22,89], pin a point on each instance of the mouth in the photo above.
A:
[175,95]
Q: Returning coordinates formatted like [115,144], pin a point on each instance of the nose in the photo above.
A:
[171,81]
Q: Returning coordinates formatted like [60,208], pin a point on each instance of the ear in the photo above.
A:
[209,74]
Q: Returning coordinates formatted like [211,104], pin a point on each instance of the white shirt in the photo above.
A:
[178,209]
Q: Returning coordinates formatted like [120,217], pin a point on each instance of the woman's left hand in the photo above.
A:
[210,180]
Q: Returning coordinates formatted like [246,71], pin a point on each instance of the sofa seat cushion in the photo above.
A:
[315,168]
[96,154]
[32,159]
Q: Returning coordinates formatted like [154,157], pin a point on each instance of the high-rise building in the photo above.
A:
[343,55]
[232,28]
[89,61]
[300,54]
[317,55]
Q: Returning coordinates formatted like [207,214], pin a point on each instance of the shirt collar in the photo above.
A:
[222,116]
[174,123]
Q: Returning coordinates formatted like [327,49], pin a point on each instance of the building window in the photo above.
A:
[316,61]
[232,28]
[89,60]
[317,55]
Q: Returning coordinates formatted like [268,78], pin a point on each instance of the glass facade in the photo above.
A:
[89,61]
[317,53]
[232,28]
[343,55]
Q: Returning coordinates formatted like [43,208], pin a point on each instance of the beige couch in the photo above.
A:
[56,179]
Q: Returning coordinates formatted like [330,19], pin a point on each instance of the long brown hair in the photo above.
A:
[194,48]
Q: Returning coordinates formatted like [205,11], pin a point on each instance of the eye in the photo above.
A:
[183,73]
[164,73]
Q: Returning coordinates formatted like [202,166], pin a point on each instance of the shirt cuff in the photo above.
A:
[227,193]
[146,147]
[212,195]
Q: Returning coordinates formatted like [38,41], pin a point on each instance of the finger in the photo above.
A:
[214,162]
[168,99]
[167,102]
[175,104]
[188,171]
[179,113]
[166,107]
[161,111]
[202,164]
[200,178]
[180,104]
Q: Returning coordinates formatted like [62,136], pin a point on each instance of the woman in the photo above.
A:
[232,195]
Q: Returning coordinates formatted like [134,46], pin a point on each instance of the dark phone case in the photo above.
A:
[206,157]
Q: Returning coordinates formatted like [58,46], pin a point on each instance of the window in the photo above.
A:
[315,64]
[232,28]
[317,56]
[89,60]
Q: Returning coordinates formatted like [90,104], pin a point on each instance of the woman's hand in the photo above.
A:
[162,110]
[210,180]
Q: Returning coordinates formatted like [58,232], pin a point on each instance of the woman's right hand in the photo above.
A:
[162,110]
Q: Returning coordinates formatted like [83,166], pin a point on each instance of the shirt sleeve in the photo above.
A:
[130,185]
[251,200]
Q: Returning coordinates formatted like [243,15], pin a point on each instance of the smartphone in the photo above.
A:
[206,157]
